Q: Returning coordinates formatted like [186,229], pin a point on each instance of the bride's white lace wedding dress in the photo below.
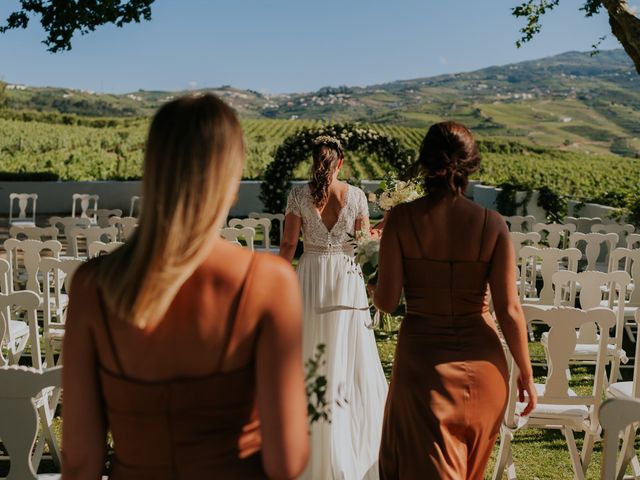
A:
[336,314]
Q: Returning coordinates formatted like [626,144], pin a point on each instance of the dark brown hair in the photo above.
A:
[448,155]
[326,156]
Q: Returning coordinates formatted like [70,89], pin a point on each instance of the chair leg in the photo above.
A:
[49,436]
[573,451]
[629,331]
[587,450]
[504,456]
[627,454]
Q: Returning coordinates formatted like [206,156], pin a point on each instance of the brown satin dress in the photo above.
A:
[194,428]
[449,384]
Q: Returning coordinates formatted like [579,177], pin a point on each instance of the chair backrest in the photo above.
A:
[57,276]
[596,246]
[520,239]
[233,235]
[631,259]
[31,256]
[136,206]
[565,325]
[92,234]
[623,230]
[557,234]
[102,215]
[592,285]
[85,201]
[633,241]
[273,217]
[583,224]
[95,249]
[616,414]
[33,233]
[11,304]
[23,204]
[66,224]
[519,223]
[551,259]
[19,416]
[5,277]
[264,224]
[125,225]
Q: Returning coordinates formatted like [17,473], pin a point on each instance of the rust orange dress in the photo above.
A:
[449,384]
[195,428]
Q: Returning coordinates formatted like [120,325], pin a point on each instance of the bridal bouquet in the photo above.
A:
[395,192]
[367,251]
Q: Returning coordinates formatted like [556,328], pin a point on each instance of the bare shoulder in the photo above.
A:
[85,277]
[496,222]
[277,271]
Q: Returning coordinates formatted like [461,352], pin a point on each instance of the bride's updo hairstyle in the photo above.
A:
[192,167]
[327,153]
[448,156]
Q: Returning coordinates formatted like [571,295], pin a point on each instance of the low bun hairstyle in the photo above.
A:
[327,152]
[448,156]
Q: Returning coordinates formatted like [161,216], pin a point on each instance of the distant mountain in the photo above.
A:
[571,101]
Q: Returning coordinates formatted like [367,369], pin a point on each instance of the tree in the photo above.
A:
[625,25]
[61,19]
[3,94]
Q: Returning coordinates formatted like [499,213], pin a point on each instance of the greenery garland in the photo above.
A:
[297,148]
[506,202]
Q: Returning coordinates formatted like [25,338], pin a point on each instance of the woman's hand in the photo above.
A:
[371,287]
[525,385]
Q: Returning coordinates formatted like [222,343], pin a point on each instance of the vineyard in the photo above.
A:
[76,152]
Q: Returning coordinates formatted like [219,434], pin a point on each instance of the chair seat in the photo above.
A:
[18,328]
[549,410]
[22,223]
[629,311]
[589,350]
[620,389]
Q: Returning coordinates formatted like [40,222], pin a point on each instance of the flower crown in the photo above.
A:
[327,140]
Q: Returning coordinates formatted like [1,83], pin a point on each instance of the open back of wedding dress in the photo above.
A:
[336,314]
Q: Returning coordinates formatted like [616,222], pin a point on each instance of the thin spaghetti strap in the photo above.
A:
[107,329]
[244,293]
[415,232]
[484,226]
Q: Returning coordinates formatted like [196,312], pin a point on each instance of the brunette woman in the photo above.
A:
[449,383]
[185,347]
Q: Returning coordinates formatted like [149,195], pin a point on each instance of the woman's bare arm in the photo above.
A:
[506,303]
[289,240]
[85,425]
[282,401]
[388,290]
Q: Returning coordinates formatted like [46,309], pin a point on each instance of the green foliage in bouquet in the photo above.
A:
[318,407]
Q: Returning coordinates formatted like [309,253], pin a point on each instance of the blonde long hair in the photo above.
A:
[192,167]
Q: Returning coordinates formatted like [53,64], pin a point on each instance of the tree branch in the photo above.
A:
[626,28]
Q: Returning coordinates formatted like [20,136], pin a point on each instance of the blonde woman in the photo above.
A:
[336,314]
[185,347]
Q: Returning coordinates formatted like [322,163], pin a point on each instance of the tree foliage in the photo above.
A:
[3,94]
[61,19]
[625,25]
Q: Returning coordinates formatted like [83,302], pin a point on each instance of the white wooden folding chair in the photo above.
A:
[14,332]
[102,215]
[31,252]
[85,201]
[233,235]
[559,407]
[125,225]
[622,230]
[90,235]
[19,311]
[519,223]
[593,285]
[136,206]
[65,225]
[23,219]
[57,275]
[597,248]
[619,416]
[629,261]
[33,233]
[22,393]
[556,235]
[626,391]
[273,217]
[95,249]
[633,241]
[257,224]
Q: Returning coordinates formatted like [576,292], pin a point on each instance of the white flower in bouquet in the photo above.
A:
[400,192]
[367,252]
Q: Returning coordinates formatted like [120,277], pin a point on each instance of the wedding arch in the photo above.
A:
[297,148]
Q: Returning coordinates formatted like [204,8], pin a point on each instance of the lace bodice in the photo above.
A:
[316,236]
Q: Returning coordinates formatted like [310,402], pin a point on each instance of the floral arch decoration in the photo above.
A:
[297,148]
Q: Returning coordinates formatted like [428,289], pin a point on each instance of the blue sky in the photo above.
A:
[292,45]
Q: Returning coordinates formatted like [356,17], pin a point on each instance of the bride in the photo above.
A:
[329,213]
